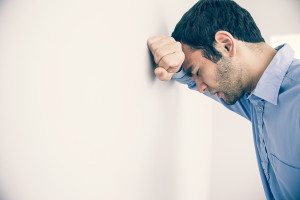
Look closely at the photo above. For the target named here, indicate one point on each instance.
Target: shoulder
(289, 95)
(290, 87)
(293, 72)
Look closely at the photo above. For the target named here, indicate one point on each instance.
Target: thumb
(162, 74)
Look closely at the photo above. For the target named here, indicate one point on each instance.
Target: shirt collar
(269, 84)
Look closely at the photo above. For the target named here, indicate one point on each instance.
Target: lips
(219, 94)
(214, 93)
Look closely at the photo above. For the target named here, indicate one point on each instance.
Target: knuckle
(170, 39)
(170, 61)
(158, 53)
(178, 45)
(175, 64)
(152, 39)
(153, 47)
(172, 70)
(165, 60)
(175, 61)
(149, 41)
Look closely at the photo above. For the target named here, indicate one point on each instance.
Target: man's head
(216, 35)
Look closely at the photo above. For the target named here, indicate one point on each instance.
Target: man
(217, 49)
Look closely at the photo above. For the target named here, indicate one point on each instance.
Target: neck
(259, 58)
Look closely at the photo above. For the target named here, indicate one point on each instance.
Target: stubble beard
(230, 81)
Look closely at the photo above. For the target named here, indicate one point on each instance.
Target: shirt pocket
(288, 178)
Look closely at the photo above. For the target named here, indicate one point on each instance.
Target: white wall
(82, 116)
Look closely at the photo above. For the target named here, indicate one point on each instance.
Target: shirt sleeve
(181, 77)
(241, 107)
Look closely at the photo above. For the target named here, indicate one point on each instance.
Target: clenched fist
(168, 56)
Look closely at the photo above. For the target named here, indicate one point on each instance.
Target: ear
(225, 43)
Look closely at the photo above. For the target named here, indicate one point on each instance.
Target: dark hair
(198, 26)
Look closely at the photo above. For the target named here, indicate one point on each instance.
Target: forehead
(192, 57)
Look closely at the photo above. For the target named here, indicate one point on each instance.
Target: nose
(201, 86)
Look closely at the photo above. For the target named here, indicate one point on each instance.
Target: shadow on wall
(1, 3)
(152, 66)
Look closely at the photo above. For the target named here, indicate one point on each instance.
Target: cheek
(208, 70)
(224, 71)
(211, 77)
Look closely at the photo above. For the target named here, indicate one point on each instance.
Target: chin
(230, 100)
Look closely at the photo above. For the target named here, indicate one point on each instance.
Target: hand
(168, 56)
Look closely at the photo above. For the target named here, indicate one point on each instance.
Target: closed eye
(198, 72)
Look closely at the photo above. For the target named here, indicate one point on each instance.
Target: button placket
(258, 105)
(262, 144)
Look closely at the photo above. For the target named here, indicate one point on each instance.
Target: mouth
(219, 94)
(214, 93)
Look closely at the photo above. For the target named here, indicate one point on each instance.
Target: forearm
(239, 107)
(181, 77)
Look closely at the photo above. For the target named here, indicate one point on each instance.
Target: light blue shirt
(273, 108)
